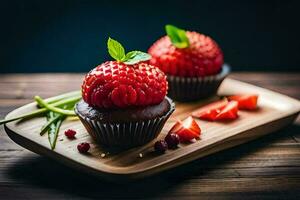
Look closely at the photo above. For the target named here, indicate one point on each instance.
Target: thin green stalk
(42, 110)
(53, 108)
(54, 138)
(54, 129)
(52, 118)
(27, 115)
(49, 122)
(63, 96)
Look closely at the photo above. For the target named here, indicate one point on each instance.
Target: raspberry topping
(114, 84)
(202, 57)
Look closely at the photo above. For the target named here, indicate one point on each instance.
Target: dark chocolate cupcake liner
(195, 88)
(127, 134)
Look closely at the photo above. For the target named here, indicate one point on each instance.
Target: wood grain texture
(266, 168)
(275, 111)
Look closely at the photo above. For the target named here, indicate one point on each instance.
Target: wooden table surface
(266, 168)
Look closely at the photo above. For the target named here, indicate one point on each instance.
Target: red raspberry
(114, 84)
(83, 147)
(70, 133)
(203, 56)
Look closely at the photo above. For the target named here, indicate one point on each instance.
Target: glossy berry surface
(187, 129)
(160, 146)
(202, 57)
(70, 133)
(117, 85)
(172, 139)
(229, 112)
(210, 111)
(245, 102)
(83, 147)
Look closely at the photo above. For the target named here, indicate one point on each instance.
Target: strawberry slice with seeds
(209, 112)
(245, 102)
(229, 112)
(186, 130)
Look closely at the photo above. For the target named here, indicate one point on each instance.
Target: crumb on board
(141, 155)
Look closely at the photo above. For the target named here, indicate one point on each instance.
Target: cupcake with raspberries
(193, 63)
(124, 101)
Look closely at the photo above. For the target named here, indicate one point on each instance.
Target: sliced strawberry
(178, 125)
(210, 111)
(229, 112)
(246, 102)
(186, 130)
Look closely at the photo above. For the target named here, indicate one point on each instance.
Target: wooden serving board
(275, 111)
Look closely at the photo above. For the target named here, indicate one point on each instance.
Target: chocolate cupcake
(187, 89)
(124, 101)
(193, 63)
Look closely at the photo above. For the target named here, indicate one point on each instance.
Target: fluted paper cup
(186, 89)
(127, 134)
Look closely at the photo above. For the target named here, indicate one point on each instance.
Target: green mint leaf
(115, 49)
(177, 36)
(134, 57)
(130, 55)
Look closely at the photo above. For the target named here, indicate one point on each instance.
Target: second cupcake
(192, 61)
(124, 101)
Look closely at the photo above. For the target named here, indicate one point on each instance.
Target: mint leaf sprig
(117, 51)
(177, 36)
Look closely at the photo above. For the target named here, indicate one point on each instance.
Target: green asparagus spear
(50, 121)
(55, 116)
(55, 99)
(71, 100)
(54, 129)
(53, 108)
(52, 118)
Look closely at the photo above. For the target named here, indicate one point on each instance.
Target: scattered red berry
(116, 84)
(210, 111)
(83, 147)
(172, 139)
(160, 146)
(230, 111)
(202, 57)
(70, 133)
(246, 102)
(186, 130)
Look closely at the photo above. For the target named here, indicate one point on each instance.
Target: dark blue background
(70, 35)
